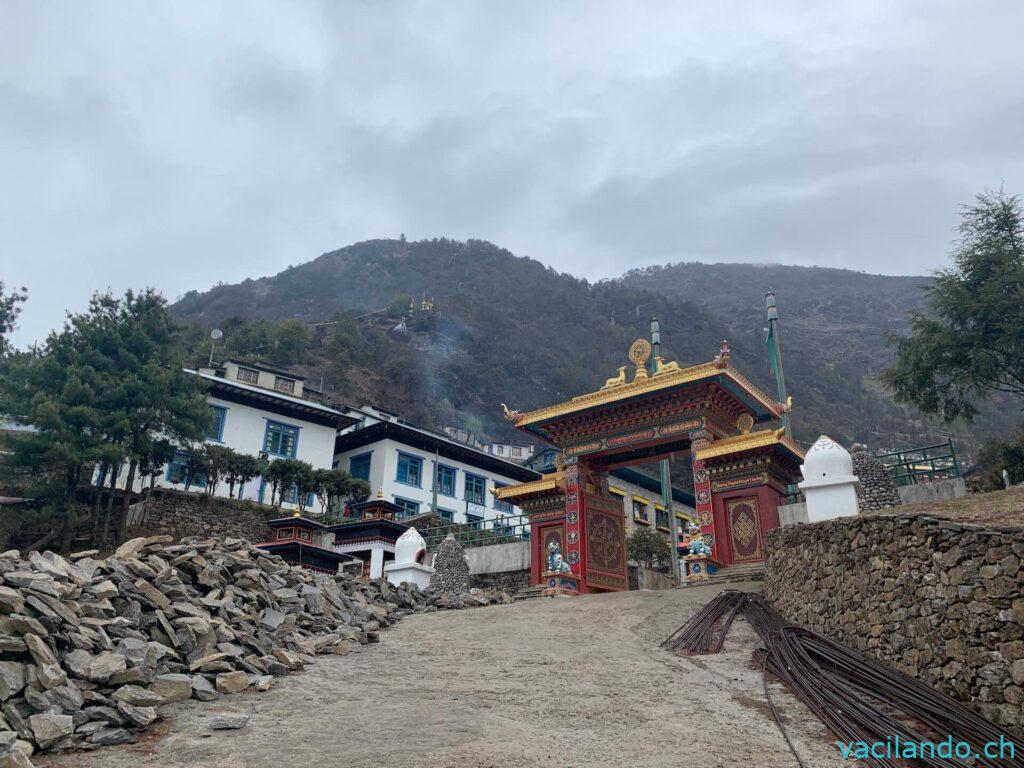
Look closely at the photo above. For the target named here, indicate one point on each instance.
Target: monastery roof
(296, 522)
(750, 441)
(274, 402)
(549, 482)
(758, 401)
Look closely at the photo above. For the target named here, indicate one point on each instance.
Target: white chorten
(829, 485)
(409, 565)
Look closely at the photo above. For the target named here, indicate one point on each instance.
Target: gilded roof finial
(380, 493)
(639, 354)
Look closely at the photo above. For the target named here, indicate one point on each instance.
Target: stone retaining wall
(937, 599)
(506, 581)
(187, 514)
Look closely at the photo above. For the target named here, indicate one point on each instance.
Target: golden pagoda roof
(644, 384)
(548, 482)
(747, 442)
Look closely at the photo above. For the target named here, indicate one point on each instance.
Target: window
(284, 533)
(445, 480)
(477, 521)
(499, 504)
(502, 528)
(281, 439)
(248, 375)
(304, 534)
(410, 469)
(217, 416)
(640, 510)
(517, 452)
(661, 518)
(446, 514)
(177, 471)
(409, 508)
(359, 466)
(281, 384)
(476, 487)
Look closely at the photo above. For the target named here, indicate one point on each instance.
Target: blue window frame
(409, 507)
(281, 439)
(446, 514)
(477, 521)
(476, 488)
(410, 469)
(359, 466)
(499, 504)
(218, 415)
(177, 471)
(446, 480)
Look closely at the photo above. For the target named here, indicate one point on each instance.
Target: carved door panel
(553, 533)
(744, 530)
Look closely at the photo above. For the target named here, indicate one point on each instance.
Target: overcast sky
(179, 144)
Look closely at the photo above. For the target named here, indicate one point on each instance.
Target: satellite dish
(216, 334)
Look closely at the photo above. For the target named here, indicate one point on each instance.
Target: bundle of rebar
(706, 631)
(860, 699)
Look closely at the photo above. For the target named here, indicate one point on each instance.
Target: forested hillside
(509, 329)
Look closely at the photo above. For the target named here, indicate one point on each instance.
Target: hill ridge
(510, 329)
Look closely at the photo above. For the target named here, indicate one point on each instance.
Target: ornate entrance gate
(705, 413)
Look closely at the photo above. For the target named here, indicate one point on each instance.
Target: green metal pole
(775, 354)
(665, 474)
(433, 495)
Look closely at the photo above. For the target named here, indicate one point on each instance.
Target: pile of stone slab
(877, 490)
(90, 648)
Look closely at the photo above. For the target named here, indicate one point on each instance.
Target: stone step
(528, 593)
(737, 573)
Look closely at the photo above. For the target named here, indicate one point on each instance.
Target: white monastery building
(412, 467)
(263, 411)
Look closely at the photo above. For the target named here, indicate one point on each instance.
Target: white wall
(384, 471)
(244, 431)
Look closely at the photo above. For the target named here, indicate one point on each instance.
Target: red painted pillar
(575, 495)
(702, 493)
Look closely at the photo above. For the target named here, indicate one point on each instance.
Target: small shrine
(829, 485)
(732, 433)
(370, 534)
(410, 561)
(305, 543)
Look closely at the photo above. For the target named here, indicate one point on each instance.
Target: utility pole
(663, 468)
(771, 342)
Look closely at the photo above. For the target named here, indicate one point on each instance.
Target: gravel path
(564, 682)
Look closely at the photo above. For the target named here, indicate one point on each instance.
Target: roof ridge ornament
(510, 414)
(722, 358)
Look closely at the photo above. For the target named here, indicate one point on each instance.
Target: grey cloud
(193, 144)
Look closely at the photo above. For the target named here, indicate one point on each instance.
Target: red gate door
(744, 530)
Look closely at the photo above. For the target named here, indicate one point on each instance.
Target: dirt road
(565, 682)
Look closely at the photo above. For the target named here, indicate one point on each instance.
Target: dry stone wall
(937, 599)
(176, 514)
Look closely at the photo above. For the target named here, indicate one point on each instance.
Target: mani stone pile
(877, 489)
(90, 648)
(451, 569)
